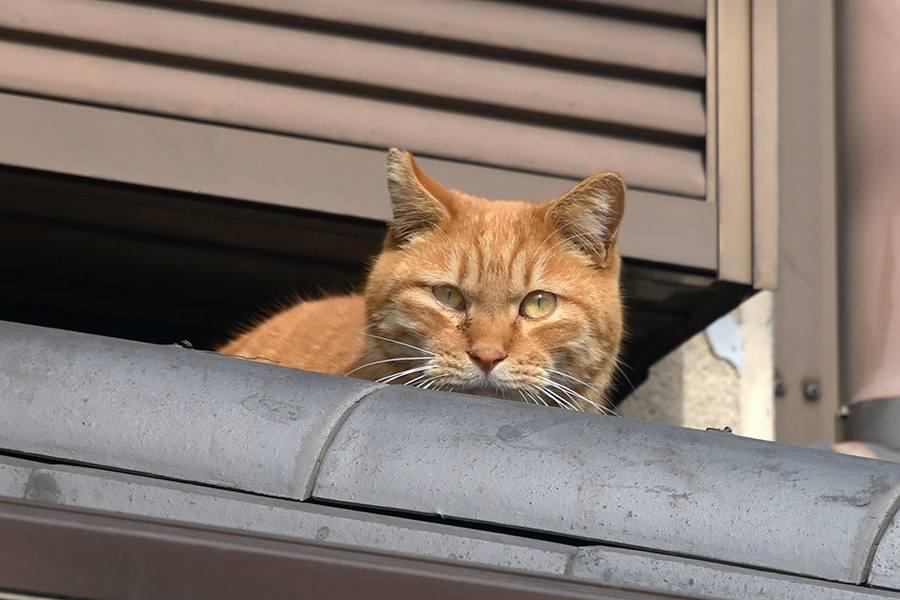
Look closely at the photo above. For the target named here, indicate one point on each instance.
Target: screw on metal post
(780, 385)
(812, 389)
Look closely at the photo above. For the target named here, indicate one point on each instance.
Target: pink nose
(487, 358)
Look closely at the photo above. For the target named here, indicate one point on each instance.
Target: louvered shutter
(529, 87)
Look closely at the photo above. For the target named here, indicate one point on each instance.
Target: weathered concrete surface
(720, 377)
(705, 494)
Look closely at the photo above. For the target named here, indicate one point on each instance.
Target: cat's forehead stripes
(495, 252)
(499, 257)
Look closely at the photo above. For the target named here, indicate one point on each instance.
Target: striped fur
(495, 253)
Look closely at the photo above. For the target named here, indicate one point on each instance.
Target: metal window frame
(742, 140)
(806, 302)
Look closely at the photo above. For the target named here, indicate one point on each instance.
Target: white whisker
(415, 379)
(534, 398)
(390, 378)
(537, 399)
(570, 377)
(573, 394)
(422, 380)
(433, 382)
(377, 362)
(618, 363)
(562, 402)
(378, 337)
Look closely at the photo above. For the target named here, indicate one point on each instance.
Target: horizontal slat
(285, 109)
(654, 226)
(441, 74)
(509, 26)
(220, 161)
(688, 9)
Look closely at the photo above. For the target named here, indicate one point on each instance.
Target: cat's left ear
(589, 214)
(419, 202)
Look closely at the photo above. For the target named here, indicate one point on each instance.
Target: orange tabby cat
(505, 299)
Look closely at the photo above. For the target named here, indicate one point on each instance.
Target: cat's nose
(487, 358)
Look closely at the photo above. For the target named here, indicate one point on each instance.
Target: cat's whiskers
(427, 385)
(386, 360)
(534, 397)
(618, 363)
(540, 400)
(570, 377)
(572, 394)
(537, 391)
(564, 403)
(395, 376)
(601, 408)
(415, 379)
(378, 337)
(584, 383)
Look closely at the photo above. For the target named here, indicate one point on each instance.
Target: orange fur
(494, 253)
(321, 335)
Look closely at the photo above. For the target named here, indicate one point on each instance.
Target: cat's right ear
(589, 214)
(418, 200)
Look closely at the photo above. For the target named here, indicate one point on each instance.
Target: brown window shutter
(531, 88)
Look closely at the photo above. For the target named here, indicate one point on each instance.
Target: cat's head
(508, 299)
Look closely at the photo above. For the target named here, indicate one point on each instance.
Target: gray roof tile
(166, 410)
(213, 420)
(885, 570)
(696, 493)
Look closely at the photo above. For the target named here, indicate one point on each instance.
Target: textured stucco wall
(722, 376)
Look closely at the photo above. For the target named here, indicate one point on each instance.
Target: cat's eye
(449, 297)
(537, 305)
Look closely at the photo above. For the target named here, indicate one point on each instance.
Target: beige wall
(722, 376)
